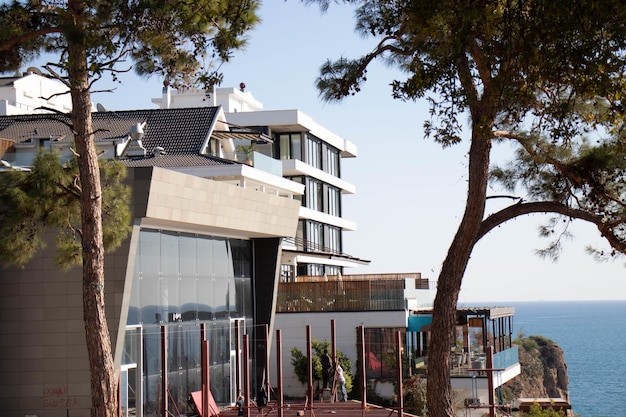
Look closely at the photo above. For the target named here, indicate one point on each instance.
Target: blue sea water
(592, 335)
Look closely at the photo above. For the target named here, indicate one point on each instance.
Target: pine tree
(542, 75)
(184, 42)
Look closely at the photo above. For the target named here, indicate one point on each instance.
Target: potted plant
(247, 151)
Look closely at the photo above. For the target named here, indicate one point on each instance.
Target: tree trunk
(449, 282)
(103, 378)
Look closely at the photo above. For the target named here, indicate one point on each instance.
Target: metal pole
(363, 375)
(205, 377)
(246, 375)
(164, 382)
(267, 362)
(399, 373)
(333, 341)
(492, 409)
(237, 358)
(309, 364)
(279, 372)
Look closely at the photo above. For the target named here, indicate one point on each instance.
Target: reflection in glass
(180, 281)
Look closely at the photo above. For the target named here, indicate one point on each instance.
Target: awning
(418, 323)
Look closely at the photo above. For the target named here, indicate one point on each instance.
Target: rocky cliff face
(543, 370)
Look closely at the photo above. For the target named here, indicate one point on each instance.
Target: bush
(299, 362)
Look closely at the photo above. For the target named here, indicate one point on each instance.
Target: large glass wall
(181, 281)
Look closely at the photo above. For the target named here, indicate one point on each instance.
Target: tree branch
(520, 209)
(17, 40)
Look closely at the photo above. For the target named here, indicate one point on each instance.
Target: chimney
(135, 148)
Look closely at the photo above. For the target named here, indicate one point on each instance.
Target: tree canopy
(182, 41)
(544, 75)
(47, 196)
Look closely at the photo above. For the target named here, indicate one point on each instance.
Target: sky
(410, 192)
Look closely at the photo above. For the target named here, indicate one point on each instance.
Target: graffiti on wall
(55, 396)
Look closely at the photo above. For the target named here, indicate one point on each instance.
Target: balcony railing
(464, 365)
(366, 295)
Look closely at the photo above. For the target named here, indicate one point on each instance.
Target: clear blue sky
(410, 191)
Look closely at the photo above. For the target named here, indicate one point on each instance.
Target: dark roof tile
(178, 131)
(174, 161)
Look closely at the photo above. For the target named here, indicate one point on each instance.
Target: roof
(4, 81)
(489, 312)
(174, 161)
(178, 131)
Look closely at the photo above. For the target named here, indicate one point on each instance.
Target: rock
(543, 370)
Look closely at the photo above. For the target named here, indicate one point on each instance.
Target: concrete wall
(293, 332)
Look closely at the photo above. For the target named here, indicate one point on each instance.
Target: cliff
(543, 370)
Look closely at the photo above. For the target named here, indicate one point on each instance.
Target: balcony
(348, 293)
(464, 365)
(476, 329)
(318, 296)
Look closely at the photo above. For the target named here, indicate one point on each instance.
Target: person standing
(341, 379)
(240, 406)
(326, 366)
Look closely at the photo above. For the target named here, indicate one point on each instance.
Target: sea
(592, 335)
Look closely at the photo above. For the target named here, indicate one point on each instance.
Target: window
(332, 161)
(333, 201)
(332, 238)
(289, 146)
(314, 236)
(313, 152)
(314, 193)
(181, 280)
(380, 352)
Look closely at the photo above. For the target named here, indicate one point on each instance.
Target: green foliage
(415, 395)
(48, 197)
(537, 411)
(184, 42)
(538, 74)
(247, 150)
(299, 362)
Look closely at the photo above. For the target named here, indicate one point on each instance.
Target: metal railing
(366, 295)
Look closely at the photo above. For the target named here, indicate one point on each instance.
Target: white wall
(293, 334)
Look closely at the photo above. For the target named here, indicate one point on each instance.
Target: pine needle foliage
(47, 198)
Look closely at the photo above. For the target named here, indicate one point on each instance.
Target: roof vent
(135, 147)
(158, 151)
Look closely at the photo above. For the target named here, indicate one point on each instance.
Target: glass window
(180, 281)
(332, 161)
(333, 201)
(314, 236)
(188, 255)
(380, 352)
(169, 253)
(314, 194)
(332, 238)
(314, 151)
(290, 146)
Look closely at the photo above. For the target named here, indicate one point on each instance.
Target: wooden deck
(350, 408)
